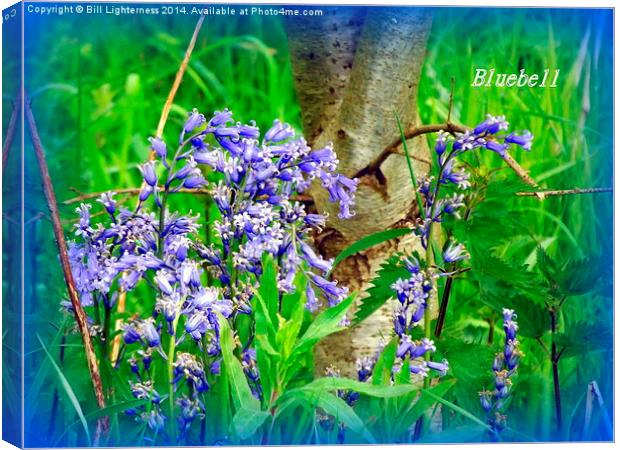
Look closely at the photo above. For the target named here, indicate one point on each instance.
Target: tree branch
(177, 80)
(92, 195)
(410, 133)
(80, 315)
(548, 193)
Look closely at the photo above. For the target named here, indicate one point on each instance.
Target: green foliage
(380, 290)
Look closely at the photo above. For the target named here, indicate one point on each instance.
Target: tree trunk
(355, 68)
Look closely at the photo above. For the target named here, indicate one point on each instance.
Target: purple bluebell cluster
(413, 294)
(253, 182)
(488, 135)
(505, 367)
(151, 412)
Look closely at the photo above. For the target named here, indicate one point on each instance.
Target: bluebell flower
(496, 147)
(130, 334)
(441, 143)
(187, 367)
(220, 118)
(107, 200)
(191, 409)
(149, 333)
(331, 290)
(455, 252)
(524, 140)
(194, 120)
(504, 368)
(197, 325)
(159, 147)
(145, 391)
(315, 260)
(278, 132)
(154, 419)
(148, 173)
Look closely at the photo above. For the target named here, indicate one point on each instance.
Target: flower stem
(555, 359)
(171, 349)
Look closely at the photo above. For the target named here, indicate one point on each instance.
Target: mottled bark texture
(355, 68)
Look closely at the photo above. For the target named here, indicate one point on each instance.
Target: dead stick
(554, 192)
(122, 298)
(177, 79)
(520, 171)
(80, 315)
(92, 195)
(448, 127)
(10, 132)
(84, 197)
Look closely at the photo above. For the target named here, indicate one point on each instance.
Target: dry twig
(78, 311)
(122, 298)
(10, 131)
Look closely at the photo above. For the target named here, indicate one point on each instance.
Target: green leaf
(582, 338)
(370, 241)
(579, 276)
(67, 388)
(267, 356)
(336, 407)
(247, 421)
(248, 417)
(455, 408)
(326, 323)
(268, 287)
(414, 181)
(372, 390)
(382, 372)
(381, 289)
(410, 415)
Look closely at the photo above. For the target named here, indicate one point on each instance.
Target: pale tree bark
(355, 69)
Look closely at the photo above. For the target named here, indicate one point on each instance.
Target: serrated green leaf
(581, 338)
(579, 276)
(380, 290)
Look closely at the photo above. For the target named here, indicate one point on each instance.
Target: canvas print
(306, 224)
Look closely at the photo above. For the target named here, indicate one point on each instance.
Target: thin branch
(80, 315)
(451, 101)
(548, 193)
(10, 132)
(177, 80)
(520, 171)
(92, 195)
(410, 133)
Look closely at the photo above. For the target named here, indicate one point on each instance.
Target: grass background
(98, 85)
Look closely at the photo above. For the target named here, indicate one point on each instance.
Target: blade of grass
(67, 388)
(456, 408)
(414, 181)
